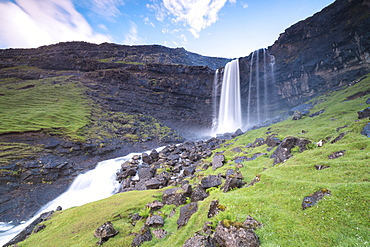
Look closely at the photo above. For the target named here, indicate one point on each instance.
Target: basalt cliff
(142, 96)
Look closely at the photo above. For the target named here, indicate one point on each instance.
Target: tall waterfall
(230, 115)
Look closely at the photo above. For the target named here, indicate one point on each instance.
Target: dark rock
(366, 130)
(315, 114)
(303, 109)
(159, 233)
(39, 228)
(368, 101)
(145, 173)
(188, 171)
(237, 150)
(297, 115)
(28, 230)
(232, 183)
(186, 212)
(104, 232)
(337, 154)
(342, 127)
(154, 221)
(176, 196)
(320, 167)
(143, 236)
(282, 152)
(254, 181)
(214, 209)
(338, 138)
(234, 236)
(218, 161)
(237, 133)
(199, 194)
(251, 223)
(272, 141)
(154, 154)
(154, 206)
(147, 158)
(211, 181)
(194, 157)
(199, 240)
(59, 208)
(153, 183)
(364, 113)
(311, 200)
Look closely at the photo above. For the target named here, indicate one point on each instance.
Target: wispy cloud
(132, 37)
(244, 5)
(148, 22)
(107, 8)
(32, 23)
(196, 14)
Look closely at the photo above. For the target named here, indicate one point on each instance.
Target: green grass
(341, 219)
(111, 60)
(55, 104)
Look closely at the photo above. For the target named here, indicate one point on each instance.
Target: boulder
(231, 234)
(237, 133)
(364, 113)
(312, 199)
(104, 232)
(337, 154)
(282, 152)
(214, 209)
(272, 141)
(304, 109)
(232, 183)
(154, 206)
(251, 223)
(218, 161)
(199, 240)
(320, 167)
(154, 183)
(199, 194)
(154, 221)
(147, 158)
(211, 181)
(39, 228)
(186, 212)
(366, 130)
(254, 180)
(176, 196)
(159, 233)
(143, 236)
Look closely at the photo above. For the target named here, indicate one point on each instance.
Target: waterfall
(91, 186)
(229, 119)
(258, 86)
(214, 101)
(250, 90)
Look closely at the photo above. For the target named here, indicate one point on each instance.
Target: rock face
(317, 54)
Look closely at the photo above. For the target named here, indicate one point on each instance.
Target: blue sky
(219, 28)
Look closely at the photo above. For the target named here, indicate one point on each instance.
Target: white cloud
(196, 14)
(32, 23)
(132, 37)
(245, 5)
(148, 22)
(107, 8)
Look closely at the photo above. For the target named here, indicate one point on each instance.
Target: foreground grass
(342, 219)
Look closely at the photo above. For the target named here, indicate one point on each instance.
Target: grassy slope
(342, 219)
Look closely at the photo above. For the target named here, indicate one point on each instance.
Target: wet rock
(147, 158)
(188, 171)
(272, 141)
(154, 154)
(337, 154)
(154, 183)
(104, 232)
(320, 167)
(186, 212)
(199, 240)
(218, 161)
(145, 173)
(364, 113)
(311, 200)
(237, 133)
(154, 221)
(211, 181)
(143, 236)
(229, 234)
(199, 194)
(297, 115)
(28, 230)
(159, 233)
(194, 157)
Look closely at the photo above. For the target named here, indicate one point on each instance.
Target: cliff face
(327, 50)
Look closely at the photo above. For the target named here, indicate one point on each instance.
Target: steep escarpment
(324, 51)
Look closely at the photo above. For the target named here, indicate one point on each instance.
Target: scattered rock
(272, 141)
(199, 194)
(218, 161)
(237, 133)
(366, 130)
(232, 182)
(186, 212)
(342, 127)
(237, 150)
(368, 101)
(338, 138)
(211, 181)
(154, 221)
(154, 206)
(304, 109)
(159, 233)
(337, 154)
(214, 209)
(207, 227)
(229, 234)
(175, 196)
(199, 240)
(320, 167)
(143, 236)
(282, 152)
(297, 115)
(254, 180)
(317, 113)
(364, 113)
(39, 228)
(311, 200)
(104, 232)
(251, 223)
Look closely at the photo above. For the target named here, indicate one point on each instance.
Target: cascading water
(91, 186)
(230, 116)
(214, 101)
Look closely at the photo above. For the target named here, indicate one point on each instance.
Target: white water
(91, 186)
(214, 101)
(230, 116)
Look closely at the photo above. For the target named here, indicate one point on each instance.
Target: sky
(217, 28)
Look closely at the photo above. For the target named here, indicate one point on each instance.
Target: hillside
(275, 200)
